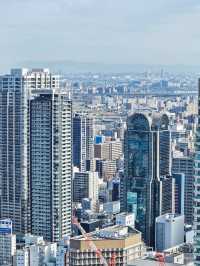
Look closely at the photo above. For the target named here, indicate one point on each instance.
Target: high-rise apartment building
(83, 137)
(15, 90)
(147, 159)
(50, 164)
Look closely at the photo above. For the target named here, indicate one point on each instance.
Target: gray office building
(147, 152)
(51, 164)
(169, 231)
(15, 90)
(185, 165)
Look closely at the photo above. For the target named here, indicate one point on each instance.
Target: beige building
(108, 150)
(122, 242)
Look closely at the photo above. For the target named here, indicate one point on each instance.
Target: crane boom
(160, 258)
(91, 244)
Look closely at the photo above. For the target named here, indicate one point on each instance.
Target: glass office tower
(196, 222)
(147, 159)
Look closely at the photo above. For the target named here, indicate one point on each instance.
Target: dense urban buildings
(35, 251)
(118, 156)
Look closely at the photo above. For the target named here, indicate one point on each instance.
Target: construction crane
(113, 260)
(160, 257)
(92, 246)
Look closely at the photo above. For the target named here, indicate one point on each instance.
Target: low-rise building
(7, 242)
(126, 219)
(169, 231)
(36, 252)
(122, 242)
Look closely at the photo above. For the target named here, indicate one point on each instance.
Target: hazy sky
(109, 31)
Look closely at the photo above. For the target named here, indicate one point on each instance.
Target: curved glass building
(147, 159)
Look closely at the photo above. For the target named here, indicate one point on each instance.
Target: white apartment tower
(15, 90)
(83, 134)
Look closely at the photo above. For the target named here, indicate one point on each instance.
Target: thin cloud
(112, 31)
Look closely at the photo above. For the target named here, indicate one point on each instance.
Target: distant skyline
(129, 32)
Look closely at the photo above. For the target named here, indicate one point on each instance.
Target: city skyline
(127, 131)
(99, 133)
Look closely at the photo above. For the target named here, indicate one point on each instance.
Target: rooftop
(149, 262)
(111, 232)
(112, 237)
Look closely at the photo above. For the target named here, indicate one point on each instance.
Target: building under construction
(117, 244)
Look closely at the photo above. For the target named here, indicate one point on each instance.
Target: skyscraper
(196, 222)
(185, 165)
(15, 90)
(85, 185)
(51, 164)
(147, 159)
(83, 148)
(179, 193)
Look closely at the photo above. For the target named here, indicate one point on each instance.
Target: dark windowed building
(146, 184)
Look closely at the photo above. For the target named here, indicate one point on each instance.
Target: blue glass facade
(147, 157)
(196, 222)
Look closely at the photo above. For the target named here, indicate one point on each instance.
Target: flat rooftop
(116, 236)
(111, 232)
(148, 262)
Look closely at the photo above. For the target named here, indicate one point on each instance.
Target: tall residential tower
(15, 90)
(51, 164)
(83, 135)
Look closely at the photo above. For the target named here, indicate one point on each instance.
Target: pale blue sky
(109, 31)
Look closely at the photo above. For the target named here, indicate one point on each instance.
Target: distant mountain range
(67, 66)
